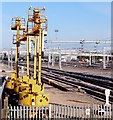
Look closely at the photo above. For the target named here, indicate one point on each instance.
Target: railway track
(64, 80)
(96, 80)
(90, 89)
(82, 74)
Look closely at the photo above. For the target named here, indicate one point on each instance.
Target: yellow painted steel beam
(27, 55)
(39, 56)
(16, 59)
(35, 57)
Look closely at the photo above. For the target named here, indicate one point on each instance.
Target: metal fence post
(64, 111)
(42, 111)
(70, 111)
(101, 111)
(27, 112)
(45, 112)
(14, 112)
(104, 110)
(49, 111)
(30, 112)
(11, 112)
(67, 111)
(85, 111)
(58, 111)
(98, 111)
(39, 112)
(79, 112)
(61, 111)
(24, 112)
(55, 111)
(36, 112)
(73, 111)
(112, 111)
(107, 112)
(82, 112)
(33, 112)
(93, 111)
(76, 111)
(17, 112)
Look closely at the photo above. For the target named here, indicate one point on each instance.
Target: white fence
(62, 111)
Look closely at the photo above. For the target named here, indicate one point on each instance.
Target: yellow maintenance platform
(30, 91)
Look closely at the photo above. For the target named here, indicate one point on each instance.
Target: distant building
(68, 58)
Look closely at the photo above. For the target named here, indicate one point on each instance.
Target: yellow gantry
(16, 25)
(39, 56)
(31, 95)
(30, 90)
(28, 56)
(35, 57)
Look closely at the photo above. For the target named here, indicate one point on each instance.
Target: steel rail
(96, 80)
(76, 73)
(94, 91)
(89, 89)
(87, 79)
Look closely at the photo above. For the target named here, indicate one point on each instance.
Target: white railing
(62, 111)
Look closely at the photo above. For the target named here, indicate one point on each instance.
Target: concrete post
(49, 59)
(107, 59)
(2, 59)
(53, 59)
(94, 59)
(8, 59)
(0, 108)
(11, 60)
(22, 69)
(60, 66)
(90, 59)
(104, 59)
(107, 93)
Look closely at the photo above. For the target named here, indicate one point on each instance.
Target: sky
(74, 20)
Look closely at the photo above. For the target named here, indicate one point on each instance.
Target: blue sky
(75, 21)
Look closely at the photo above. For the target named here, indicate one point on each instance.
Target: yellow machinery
(30, 95)
(29, 91)
(17, 24)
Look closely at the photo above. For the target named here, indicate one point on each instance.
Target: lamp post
(59, 51)
(82, 45)
(56, 30)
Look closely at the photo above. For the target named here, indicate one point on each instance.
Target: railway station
(40, 79)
